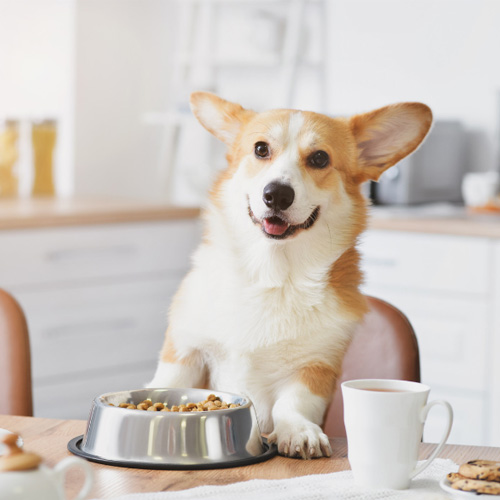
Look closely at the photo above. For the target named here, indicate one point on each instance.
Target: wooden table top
(49, 438)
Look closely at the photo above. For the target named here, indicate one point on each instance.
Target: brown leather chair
(384, 346)
(15, 360)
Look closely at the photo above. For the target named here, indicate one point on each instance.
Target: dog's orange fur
(168, 352)
(319, 378)
(170, 355)
(346, 278)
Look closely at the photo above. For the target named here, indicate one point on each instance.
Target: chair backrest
(15, 359)
(384, 346)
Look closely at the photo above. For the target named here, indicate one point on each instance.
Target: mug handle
(62, 467)
(423, 416)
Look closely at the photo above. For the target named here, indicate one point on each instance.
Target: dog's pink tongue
(275, 226)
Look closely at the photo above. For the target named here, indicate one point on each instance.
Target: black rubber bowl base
(74, 446)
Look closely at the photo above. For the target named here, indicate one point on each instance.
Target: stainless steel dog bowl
(171, 440)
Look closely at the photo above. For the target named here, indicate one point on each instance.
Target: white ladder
(195, 65)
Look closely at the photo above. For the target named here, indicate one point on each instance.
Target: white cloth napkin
(337, 486)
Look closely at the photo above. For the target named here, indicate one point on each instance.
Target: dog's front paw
(304, 439)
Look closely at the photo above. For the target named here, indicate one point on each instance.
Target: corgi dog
(272, 300)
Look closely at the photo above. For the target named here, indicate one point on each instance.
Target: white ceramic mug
(384, 420)
(480, 188)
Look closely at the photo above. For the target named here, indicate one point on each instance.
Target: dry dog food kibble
(212, 403)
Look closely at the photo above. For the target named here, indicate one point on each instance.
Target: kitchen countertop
(51, 212)
(436, 218)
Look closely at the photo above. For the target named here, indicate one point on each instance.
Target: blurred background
(116, 76)
(103, 168)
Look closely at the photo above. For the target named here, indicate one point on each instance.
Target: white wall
(445, 53)
(122, 72)
(36, 77)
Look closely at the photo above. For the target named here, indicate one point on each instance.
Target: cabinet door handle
(76, 254)
(83, 329)
(380, 262)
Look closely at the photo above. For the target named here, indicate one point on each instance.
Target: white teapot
(23, 477)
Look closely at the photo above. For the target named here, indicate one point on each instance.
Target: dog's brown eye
(262, 149)
(319, 159)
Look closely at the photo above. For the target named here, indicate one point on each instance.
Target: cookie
(454, 476)
(460, 482)
(488, 470)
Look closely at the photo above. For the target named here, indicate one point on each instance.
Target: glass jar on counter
(9, 154)
(43, 137)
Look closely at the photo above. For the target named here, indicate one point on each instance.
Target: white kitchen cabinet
(53, 256)
(96, 299)
(71, 398)
(427, 262)
(96, 327)
(447, 287)
(494, 351)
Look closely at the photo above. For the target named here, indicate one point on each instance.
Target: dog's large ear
(386, 135)
(221, 118)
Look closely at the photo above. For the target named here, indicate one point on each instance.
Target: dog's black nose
(278, 196)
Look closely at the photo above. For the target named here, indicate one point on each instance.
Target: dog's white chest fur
(253, 335)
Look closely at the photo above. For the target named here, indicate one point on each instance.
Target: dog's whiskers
(330, 233)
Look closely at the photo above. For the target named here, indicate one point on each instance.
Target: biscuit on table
(460, 482)
(488, 470)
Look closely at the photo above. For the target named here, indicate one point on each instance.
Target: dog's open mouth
(277, 228)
